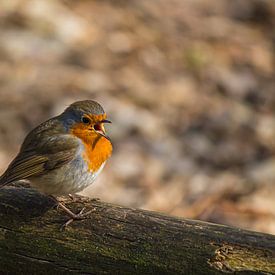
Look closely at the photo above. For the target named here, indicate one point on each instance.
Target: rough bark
(119, 240)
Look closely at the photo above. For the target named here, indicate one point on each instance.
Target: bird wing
(36, 158)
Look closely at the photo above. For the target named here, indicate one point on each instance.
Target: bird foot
(72, 197)
(75, 217)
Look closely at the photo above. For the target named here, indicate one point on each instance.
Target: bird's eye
(85, 120)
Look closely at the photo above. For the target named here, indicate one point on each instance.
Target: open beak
(100, 128)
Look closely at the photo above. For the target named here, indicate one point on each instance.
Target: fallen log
(120, 240)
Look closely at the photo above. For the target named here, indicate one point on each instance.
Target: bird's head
(85, 119)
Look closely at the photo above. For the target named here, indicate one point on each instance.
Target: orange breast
(97, 148)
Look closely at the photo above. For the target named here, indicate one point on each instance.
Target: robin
(64, 154)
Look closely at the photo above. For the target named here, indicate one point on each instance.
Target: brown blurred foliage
(189, 86)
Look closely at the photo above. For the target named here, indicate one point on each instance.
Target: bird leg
(72, 197)
(73, 216)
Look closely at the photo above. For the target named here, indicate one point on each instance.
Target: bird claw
(76, 217)
(73, 217)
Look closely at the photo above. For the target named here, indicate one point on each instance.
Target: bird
(65, 154)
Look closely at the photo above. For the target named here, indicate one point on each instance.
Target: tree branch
(119, 240)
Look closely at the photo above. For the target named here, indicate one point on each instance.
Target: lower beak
(103, 135)
(102, 130)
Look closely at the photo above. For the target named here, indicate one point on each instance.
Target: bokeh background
(189, 86)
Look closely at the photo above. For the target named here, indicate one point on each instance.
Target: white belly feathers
(71, 178)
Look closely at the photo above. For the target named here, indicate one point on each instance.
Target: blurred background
(189, 86)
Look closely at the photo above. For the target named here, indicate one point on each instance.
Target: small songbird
(64, 154)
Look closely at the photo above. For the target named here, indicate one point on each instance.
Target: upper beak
(106, 121)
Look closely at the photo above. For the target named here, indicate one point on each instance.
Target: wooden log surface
(120, 240)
